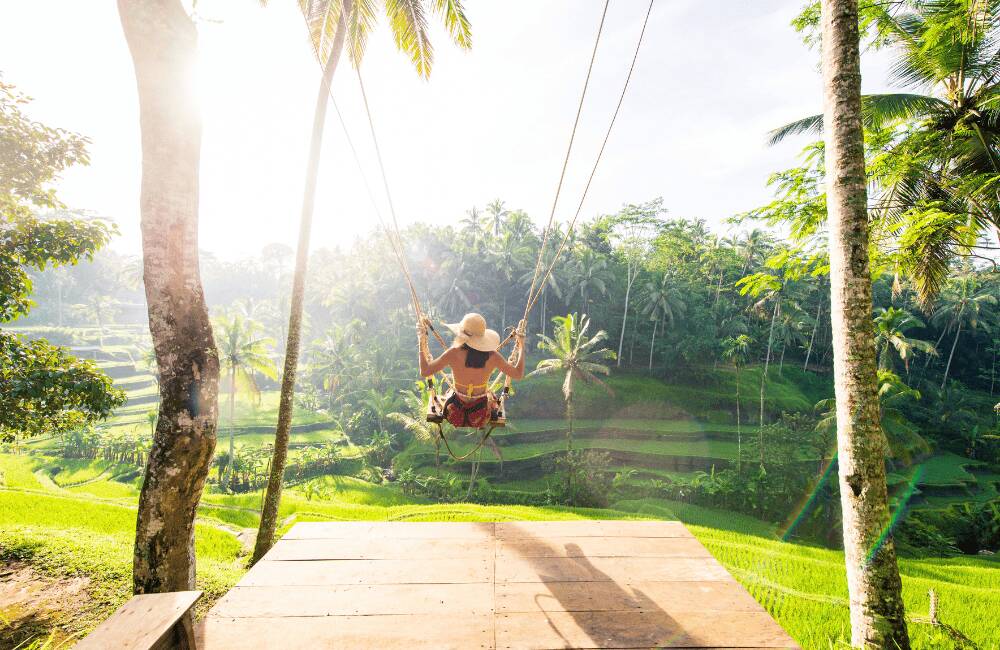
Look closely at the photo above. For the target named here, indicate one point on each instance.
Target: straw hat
(473, 332)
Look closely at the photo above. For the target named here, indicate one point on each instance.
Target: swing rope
(536, 288)
(535, 294)
(569, 150)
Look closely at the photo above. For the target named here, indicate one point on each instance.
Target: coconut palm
(334, 25)
(590, 277)
(242, 356)
(335, 356)
(498, 212)
(101, 310)
(962, 304)
(940, 157)
(662, 303)
(894, 396)
(736, 350)
(578, 356)
(768, 290)
(890, 335)
(508, 255)
(877, 615)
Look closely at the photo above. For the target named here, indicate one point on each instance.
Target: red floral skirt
(473, 413)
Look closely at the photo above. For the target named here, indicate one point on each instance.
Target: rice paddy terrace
(75, 517)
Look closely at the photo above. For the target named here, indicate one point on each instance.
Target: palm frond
(455, 21)
(409, 29)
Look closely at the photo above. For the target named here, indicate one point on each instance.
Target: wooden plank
(390, 530)
(349, 632)
(362, 600)
(143, 622)
(639, 630)
(609, 596)
(590, 528)
(380, 549)
(373, 572)
(622, 570)
(602, 547)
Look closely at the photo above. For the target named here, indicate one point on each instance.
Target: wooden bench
(147, 622)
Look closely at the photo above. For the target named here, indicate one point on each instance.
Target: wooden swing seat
(435, 411)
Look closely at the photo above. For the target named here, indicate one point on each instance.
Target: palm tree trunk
(59, 302)
(739, 426)
(876, 605)
(628, 291)
(993, 370)
(545, 299)
(232, 419)
(269, 511)
(569, 417)
(812, 337)
(100, 325)
(472, 479)
(951, 354)
(937, 344)
(652, 341)
(162, 40)
(767, 363)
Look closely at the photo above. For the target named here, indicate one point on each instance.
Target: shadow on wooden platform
(560, 584)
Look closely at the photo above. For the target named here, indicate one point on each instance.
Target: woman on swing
(472, 357)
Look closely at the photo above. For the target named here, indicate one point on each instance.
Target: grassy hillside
(65, 532)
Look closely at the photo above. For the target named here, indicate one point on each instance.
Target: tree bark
(812, 337)
(877, 616)
(628, 290)
(951, 354)
(739, 429)
(162, 40)
(232, 425)
(652, 342)
(767, 364)
(272, 497)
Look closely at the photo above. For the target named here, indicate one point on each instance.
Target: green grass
(722, 450)
(947, 470)
(19, 472)
(107, 489)
(680, 425)
(69, 535)
(638, 396)
(802, 586)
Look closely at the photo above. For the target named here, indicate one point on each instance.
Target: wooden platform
(557, 584)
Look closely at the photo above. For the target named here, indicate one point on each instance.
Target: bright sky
(712, 78)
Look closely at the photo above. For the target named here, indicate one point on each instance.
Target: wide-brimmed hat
(472, 331)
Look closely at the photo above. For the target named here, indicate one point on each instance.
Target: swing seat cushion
(461, 413)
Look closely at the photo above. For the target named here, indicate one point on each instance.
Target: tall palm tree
(335, 355)
(768, 290)
(890, 335)
(498, 212)
(942, 154)
(332, 24)
(876, 604)
(590, 276)
(101, 309)
(162, 40)
(577, 355)
(961, 304)
(509, 256)
(736, 350)
(243, 355)
(662, 303)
